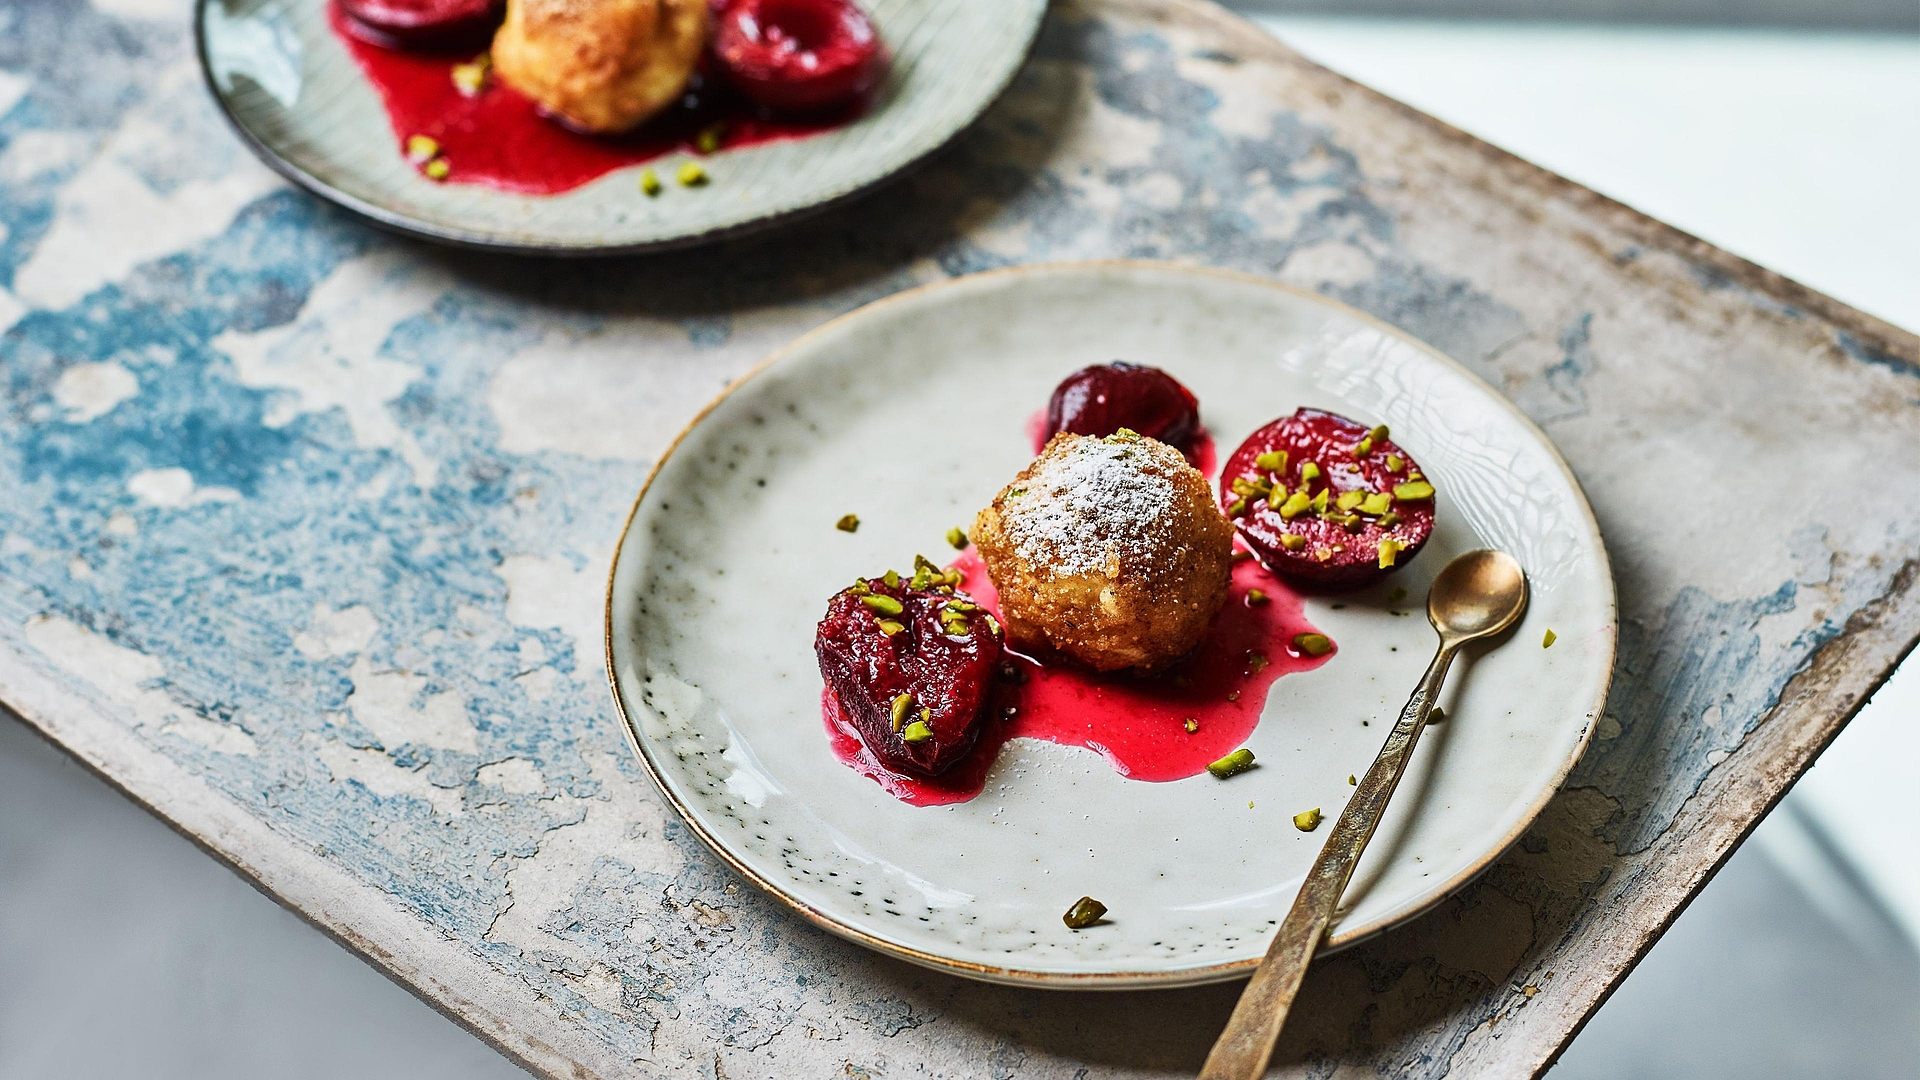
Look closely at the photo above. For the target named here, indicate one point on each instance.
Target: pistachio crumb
(1350, 499)
(957, 537)
(1309, 472)
(1255, 598)
(1413, 491)
(882, 603)
(709, 138)
(437, 169)
(1307, 820)
(848, 523)
(1547, 642)
(1312, 644)
(1351, 782)
(1272, 461)
(889, 627)
(918, 731)
(1292, 541)
(1395, 463)
(422, 148)
(1084, 913)
(650, 186)
(1191, 724)
(1233, 764)
(901, 704)
(691, 174)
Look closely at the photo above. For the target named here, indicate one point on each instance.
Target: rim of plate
(1344, 936)
(406, 225)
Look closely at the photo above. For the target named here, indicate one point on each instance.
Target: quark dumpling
(600, 65)
(1109, 551)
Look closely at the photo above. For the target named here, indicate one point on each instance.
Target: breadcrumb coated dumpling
(600, 65)
(1109, 551)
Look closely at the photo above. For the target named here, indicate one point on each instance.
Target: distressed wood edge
(447, 976)
(1814, 707)
(1549, 185)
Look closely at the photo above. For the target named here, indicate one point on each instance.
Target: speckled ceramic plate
(296, 96)
(730, 555)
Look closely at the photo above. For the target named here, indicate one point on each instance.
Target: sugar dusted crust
(1108, 551)
(601, 65)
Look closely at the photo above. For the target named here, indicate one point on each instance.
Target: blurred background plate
(294, 93)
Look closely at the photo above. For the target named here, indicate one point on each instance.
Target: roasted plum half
(798, 56)
(423, 24)
(912, 661)
(1104, 398)
(1327, 501)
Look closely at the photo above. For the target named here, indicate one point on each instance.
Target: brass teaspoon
(1476, 596)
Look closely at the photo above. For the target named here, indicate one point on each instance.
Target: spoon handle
(1242, 1051)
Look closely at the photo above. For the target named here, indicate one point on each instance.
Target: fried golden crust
(1107, 551)
(600, 65)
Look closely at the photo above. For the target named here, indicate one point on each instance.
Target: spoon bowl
(1477, 595)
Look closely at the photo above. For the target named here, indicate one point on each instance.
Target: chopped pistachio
(1233, 764)
(1309, 472)
(1351, 782)
(882, 603)
(1241, 555)
(1012, 492)
(1323, 554)
(1257, 662)
(1395, 462)
(1307, 820)
(901, 704)
(848, 523)
(957, 537)
(1389, 519)
(422, 148)
(1272, 461)
(650, 184)
(1295, 505)
(437, 169)
(1292, 541)
(1437, 716)
(1312, 644)
(1379, 433)
(1389, 549)
(889, 627)
(1363, 447)
(709, 138)
(1352, 522)
(1413, 490)
(860, 587)
(1277, 496)
(962, 605)
(1233, 695)
(1237, 507)
(1192, 725)
(1320, 501)
(892, 578)
(1350, 499)
(954, 578)
(1376, 504)
(1547, 642)
(691, 174)
(470, 78)
(1255, 598)
(1250, 485)
(1084, 913)
(922, 579)
(918, 731)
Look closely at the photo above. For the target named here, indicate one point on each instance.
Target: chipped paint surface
(302, 533)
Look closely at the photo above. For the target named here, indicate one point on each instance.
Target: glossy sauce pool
(498, 138)
(1138, 724)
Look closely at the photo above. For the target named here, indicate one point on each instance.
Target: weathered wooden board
(303, 529)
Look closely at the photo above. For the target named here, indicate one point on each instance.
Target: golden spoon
(1476, 596)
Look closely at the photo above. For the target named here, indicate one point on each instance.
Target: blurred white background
(1791, 137)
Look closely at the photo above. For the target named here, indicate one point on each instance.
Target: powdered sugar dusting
(1093, 505)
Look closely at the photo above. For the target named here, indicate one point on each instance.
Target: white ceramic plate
(295, 95)
(911, 413)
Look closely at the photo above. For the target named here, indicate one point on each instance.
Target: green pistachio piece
(1547, 642)
(889, 627)
(1190, 724)
(901, 704)
(1084, 913)
(958, 538)
(1413, 490)
(1307, 820)
(1272, 461)
(1320, 502)
(1395, 462)
(1378, 434)
(892, 578)
(1233, 764)
(1296, 504)
(1312, 644)
(882, 603)
(1292, 541)
(1309, 472)
(1363, 447)
(918, 731)
(1350, 499)
(1389, 550)
(1376, 504)
(1255, 598)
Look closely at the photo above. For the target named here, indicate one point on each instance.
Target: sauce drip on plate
(497, 138)
(1137, 723)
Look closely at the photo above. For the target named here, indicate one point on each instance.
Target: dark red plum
(1104, 398)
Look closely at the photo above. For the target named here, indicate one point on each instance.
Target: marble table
(303, 531)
